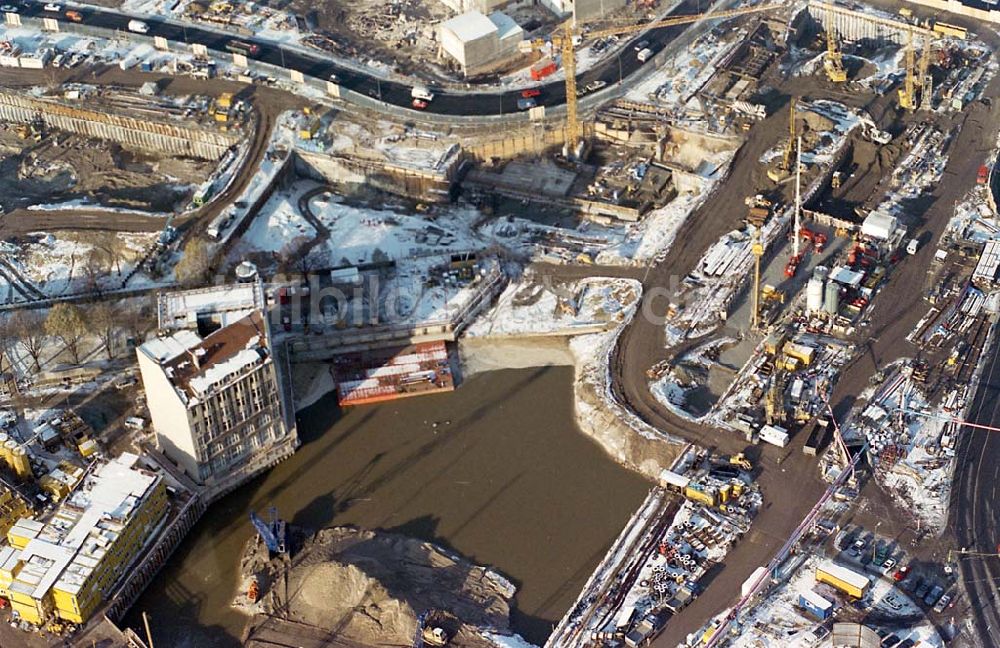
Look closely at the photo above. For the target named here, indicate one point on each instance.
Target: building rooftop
(506, 26)
(195, 365)
(64, 551)
(225, 304)
(470, 26)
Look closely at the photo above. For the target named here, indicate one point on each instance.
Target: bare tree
(193, 266)
(94, 267)
(66, 322)
(104, 319)
(136, 316)
(28, 327)
(8, 338)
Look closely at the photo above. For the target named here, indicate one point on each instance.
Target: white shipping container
(670, 478)
(749, 583)
(774, 435)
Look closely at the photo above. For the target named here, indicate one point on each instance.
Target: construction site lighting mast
(798, 198)
(569, 30)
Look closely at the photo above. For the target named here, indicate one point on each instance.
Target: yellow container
(7, 452)
(22, 465)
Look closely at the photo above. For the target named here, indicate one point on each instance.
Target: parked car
(530, 92)
(641, 45)
(857, 547)
(889, 566)
(901, 574)
(52, 7)
(922, 590)
(74, 16)
(933, 595)
(526, 104)
(594, 86)
(942, 603)
(9, 8)
(419, 104)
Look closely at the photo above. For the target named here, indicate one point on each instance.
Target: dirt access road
(268, 103)
(788, 478)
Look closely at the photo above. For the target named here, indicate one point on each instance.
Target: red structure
(388, 374)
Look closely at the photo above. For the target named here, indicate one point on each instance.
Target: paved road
(975, 515)
(393, 92)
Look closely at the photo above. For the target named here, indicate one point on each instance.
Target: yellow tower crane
(925, 80)
(566, 33)
(834, 62)
(907, 94)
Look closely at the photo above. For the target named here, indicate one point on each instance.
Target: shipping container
(774, 435)
(542, 69)
(846, 580)
(748, 584)
(816, 605)
(670, 478)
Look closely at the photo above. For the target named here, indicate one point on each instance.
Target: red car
(419, 104)
(530, 92)
(900, 574)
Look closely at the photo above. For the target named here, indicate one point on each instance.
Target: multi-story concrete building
(64, 568)
(583, 10)
(216, 397)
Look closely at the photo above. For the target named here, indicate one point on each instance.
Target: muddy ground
(61, 167)
(369, 589)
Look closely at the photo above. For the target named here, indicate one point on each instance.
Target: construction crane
(785, 166)
(793, 263)
(926, 81)
(756, 224)
(907, 94)
(568, 31)
(834, 61)
(272, 533)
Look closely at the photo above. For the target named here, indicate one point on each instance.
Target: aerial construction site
(261, 263)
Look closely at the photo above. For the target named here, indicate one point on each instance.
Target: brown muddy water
(505, 478)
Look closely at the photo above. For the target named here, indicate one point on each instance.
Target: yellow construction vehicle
(784, 168)
(567, 37)
(740, 460)
(833, 64)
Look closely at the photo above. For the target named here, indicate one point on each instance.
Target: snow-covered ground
(779, 621)
(912, 445)
(67, 263)
(533, 307)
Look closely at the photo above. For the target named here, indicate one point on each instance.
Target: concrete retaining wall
(155, 137)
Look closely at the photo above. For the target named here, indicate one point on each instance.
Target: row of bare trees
(72, 325)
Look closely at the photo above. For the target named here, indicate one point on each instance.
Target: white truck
(422, 92)
(775, 435)
(645, 55)
(138, 27)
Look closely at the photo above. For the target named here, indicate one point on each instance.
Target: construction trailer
(817, 606)
(845, 580)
